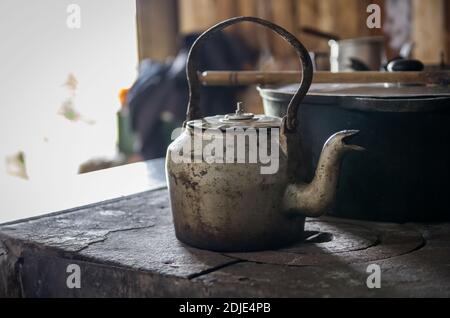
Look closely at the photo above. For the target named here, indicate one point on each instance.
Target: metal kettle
(223, 199)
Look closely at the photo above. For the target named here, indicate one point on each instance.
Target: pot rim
(403, 104)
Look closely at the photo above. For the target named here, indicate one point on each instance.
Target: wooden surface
(162, 22)
(127, 247)
(197, 15)
(429, 30)
(157, 29)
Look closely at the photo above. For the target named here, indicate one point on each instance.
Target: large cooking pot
(404, 174)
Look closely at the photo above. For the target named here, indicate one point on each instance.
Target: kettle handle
(193, 109)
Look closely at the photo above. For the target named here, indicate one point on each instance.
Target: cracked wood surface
(135, 232)
(127, 247)
(9, 282)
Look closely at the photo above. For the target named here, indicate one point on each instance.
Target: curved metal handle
(193, 111)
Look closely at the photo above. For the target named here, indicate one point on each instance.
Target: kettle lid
(239, 119)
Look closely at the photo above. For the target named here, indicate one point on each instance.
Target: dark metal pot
(404, 175)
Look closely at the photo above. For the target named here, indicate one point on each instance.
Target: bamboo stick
(233, 78)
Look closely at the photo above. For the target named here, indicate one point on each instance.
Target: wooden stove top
(126, 247)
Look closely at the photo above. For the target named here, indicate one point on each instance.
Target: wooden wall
(160, 21)
(430, 33)
(343, 17)
(157, 28)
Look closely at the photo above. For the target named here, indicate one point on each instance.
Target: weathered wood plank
(421, 273)
(428, 32)
(157, 29)
(127, 248)
(135, 233)
(9, 280)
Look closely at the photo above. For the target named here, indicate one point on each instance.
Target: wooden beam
(157, 28)
(196, 15)
(231, 78)
(447, 33)
(283, 14)
(428, 32)
(308, 15)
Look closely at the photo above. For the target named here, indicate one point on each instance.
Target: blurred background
(102, 83)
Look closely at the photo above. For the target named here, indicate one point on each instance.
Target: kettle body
(229, 206)
(233, 179)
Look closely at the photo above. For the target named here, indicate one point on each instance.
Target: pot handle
(193, 109)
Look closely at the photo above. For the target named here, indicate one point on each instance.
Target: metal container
(404, 174)
(358, 54)
(239, 204)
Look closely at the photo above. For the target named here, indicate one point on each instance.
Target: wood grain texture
(127, 248)
(230, 78)
(157, 29)
(158, 23)
(428, 31)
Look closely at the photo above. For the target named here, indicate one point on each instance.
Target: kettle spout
(316, 198)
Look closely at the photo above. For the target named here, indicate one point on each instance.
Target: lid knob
(240, 113)
(240, 108)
